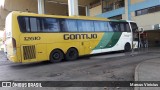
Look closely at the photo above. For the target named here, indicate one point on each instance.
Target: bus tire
(56, 56)
(127, 47)
(72, 54)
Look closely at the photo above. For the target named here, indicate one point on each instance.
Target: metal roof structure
(7, 6)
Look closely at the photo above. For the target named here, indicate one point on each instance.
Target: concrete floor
(119, 67)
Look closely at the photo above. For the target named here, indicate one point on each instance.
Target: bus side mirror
(141, 30)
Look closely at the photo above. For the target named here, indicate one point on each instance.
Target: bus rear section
(12, 34)
(10, 40)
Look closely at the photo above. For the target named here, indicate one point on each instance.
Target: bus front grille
(29, 52)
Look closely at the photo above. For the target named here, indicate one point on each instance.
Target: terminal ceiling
(80, 2)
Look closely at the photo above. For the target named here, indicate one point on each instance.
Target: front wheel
(56, 56)
(72, 54)
(127, 47)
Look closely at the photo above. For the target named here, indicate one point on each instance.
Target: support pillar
(73, 7)
(41, 4)
(127, 9)
(87, 11)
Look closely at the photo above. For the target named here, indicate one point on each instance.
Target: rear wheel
(56, 56)
(127, 47)
(72, 54)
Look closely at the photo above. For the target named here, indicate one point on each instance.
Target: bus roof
(18, 13)
(114, 20)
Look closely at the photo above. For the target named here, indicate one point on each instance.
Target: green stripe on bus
(105, 40)
(113, 41)
(108, 40)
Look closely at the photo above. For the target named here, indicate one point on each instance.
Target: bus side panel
(122, 40)
(41, 52)
(33, 53)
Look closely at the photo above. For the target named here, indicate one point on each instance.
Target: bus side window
(69, 25)
(100, 26)
(114, 26)
(51, 25)
(110, 29)
(24, 24)
(85, 26)
(33, 25)
(122, 27)
(127, 28)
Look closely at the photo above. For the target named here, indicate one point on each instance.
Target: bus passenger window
(122, 26)
(24, 24)
(127, 28)
(114, 26)
(100, 26)
(69, 25)
(85, 26)
(27, 24)
(33, 24)
(51, 25)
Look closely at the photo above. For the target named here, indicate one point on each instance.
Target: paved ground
(108, 67)
(148, 71)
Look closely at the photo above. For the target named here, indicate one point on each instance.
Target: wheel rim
(56, 56)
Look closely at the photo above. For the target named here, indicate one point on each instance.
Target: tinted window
(34, 24)
(134, 27)
(24, 24)
(148, 10)
(157, 8)
(151, 10)
(69, 25)
(122, 27)
(127, 27)
(119, 27)
(85, 26)
(100, 26)
(114, 26)
(50, 25)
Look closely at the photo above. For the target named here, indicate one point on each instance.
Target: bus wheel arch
(127, 47)
(56, 55)
(72, 54)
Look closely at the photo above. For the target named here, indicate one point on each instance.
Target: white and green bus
(32, 37)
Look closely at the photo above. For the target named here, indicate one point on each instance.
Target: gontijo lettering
(79, 36)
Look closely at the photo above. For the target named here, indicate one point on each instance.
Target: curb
(136, 76)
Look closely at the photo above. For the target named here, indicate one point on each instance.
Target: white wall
(95, 10)
(146, 21)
